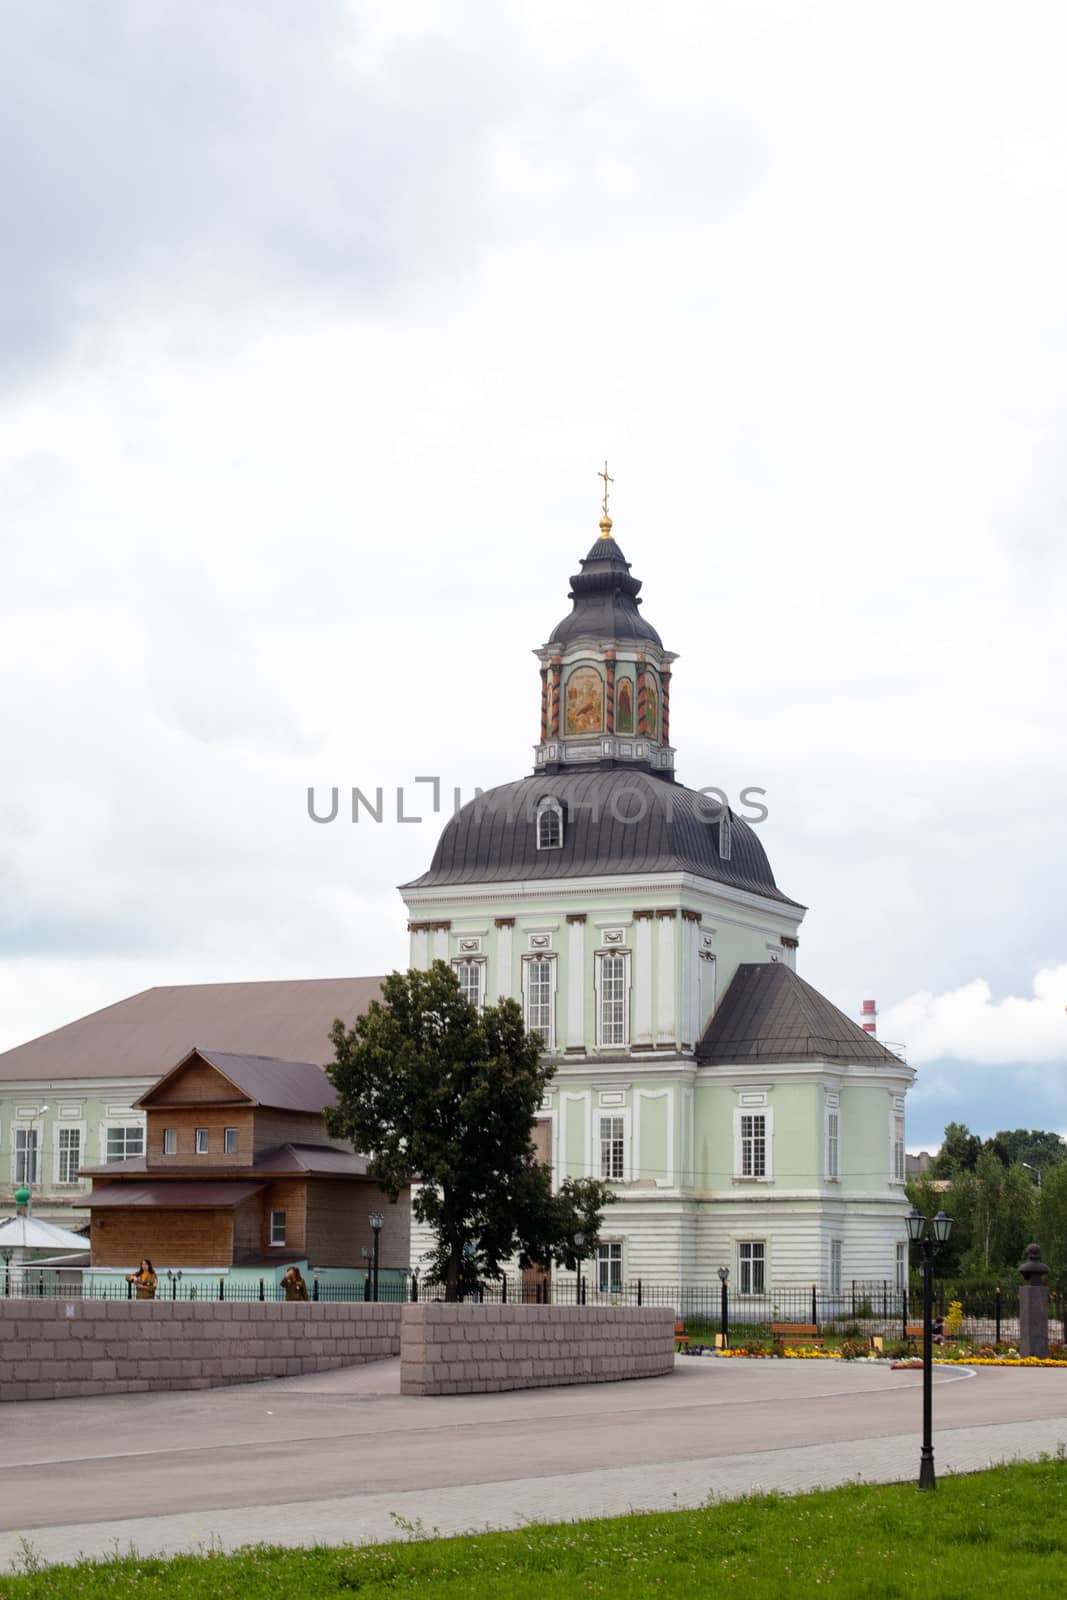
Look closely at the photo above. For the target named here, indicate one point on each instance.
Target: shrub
(954, 1320)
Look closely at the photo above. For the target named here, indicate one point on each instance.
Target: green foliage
(431, 1088)
(1034, 1145)
(1050, 1229)
(959, 1152)
(1003, 1530)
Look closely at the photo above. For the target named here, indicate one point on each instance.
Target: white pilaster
(420, 948)
(575, 1029)
(642, 980)
(503, 960)
(440, 941)
(688, 981)
(665, 1018)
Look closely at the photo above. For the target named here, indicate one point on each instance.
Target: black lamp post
(377, 1222)
(930, 1236)
(724, 1309)
(579, 1245)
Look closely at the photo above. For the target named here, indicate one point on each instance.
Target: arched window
(549, 825)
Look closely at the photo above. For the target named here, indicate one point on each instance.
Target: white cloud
(968, 1024)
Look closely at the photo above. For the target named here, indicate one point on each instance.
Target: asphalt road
(342, 1456)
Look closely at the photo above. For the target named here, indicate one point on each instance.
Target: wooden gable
(194, 1081)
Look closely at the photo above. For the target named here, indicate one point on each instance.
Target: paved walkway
(342, 1457)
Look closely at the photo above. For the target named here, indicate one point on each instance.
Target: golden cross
(607, 480)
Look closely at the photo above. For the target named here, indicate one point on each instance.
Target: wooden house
(239, 1170)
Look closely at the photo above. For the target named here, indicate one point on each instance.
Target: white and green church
(742, 1119)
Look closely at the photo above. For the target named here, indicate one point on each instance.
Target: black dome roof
(605, 599)
(673, 829)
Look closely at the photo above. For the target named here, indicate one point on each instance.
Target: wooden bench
(681, 1336)
(797, 1333)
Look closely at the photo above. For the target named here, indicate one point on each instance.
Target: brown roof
(769, 1014)
(203, 1194)
(285, 1158)
(143, 1036)
(265, 1080)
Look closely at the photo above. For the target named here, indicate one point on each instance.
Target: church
(742, 1120)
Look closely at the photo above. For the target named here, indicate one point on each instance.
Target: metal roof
(314, 1159)
(204, 1194)
(605, 600)
(143, 1036)
(264, 1080)
(673, 829)
(769, 1014)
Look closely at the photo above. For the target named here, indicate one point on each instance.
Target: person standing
(144, 1280)
(294, 1284)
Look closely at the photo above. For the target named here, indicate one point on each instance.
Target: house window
(471, 975)
(125, 1143)
(835, 1266)
(549, 825)
(539, 990)
(25, 1155)
(229, 1141)
(902, 1265)
(70, 1155)
(613, 1148)
(898, 1147)
(609, 1267)
(751, 1264)
(833, 1143)
(201, 1141)
(277, 1227)
(170, 1141)
(753, 1144)
(613, 999)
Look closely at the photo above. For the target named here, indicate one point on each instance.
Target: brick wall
(54, 1348)
(474, 1349)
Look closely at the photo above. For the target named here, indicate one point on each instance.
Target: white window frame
(478, 963)
(202, 1145)
(833, 1141)
(27, 1131)
(170, 1142)
(277, 1243)
(549, 807)
(78, 1129)
(228, 1148)
(126, 1128)
(898, 1164)
(740, 1114)
(902, 1265)
(603, 1042)
(752, 1261)
(836, 1267)
(548, 1033)
(609, 1257)
(613, 1114)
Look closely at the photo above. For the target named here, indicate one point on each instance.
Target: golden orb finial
(605, 521)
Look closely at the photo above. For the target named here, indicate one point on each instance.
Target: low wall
(50, 1349)
(469, 1349)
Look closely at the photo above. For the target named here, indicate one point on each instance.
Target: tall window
(835, 1266)
(754, 1144)
(549, 825)
(229, 1141)
(25, 1155)
(613, 999)
(833, 1146)
(613, 1148)
(170, 1141)
(277, 1227)
(751, 1265)
(201, 1141)
(898, 1147)
(902, 1264)
(470, 974)
(70, 1154)
(609, 1267)
(539, 984)
(124, 1143)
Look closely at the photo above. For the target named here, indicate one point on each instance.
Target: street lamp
(579, 1242)
(1035, 1170)
(931, 1236)
(724, 1309)
(377, 1222)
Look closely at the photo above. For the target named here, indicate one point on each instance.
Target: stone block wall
(468, 1349)
(50, 1349)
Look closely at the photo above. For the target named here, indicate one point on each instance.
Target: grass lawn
(998, 1532)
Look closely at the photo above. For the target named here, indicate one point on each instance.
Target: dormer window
(549, 825)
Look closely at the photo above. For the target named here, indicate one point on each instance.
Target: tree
(1051, 1228)
(1034, 1147)
(439, 1093)
(959, 1152)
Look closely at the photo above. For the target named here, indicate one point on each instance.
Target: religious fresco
(651, 709)
(624, 707)
(585, 701)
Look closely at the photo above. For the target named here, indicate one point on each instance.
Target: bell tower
(605, 676)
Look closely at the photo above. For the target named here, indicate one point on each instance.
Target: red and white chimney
(869, 1019)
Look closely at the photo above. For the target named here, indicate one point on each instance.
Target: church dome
(605, 599)
(611, 823)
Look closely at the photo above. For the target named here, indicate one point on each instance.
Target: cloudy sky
(316, 322)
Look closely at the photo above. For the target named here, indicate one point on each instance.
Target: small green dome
(22, 1195)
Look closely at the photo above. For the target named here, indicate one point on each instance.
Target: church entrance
(537, 1281)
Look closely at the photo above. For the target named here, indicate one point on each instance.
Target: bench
(913, 1330)
(797, 1333)
(681, 1336)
